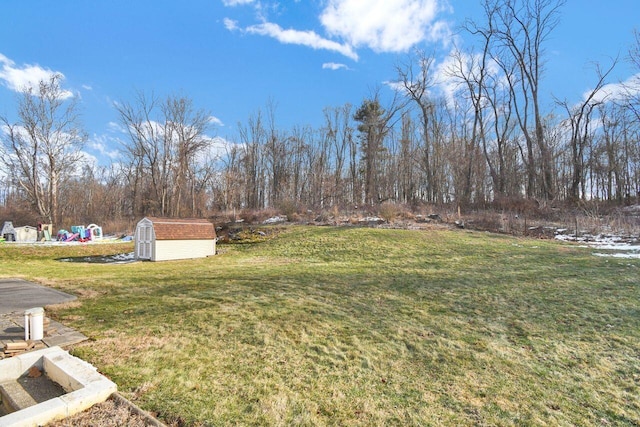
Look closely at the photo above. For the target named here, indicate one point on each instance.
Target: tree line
(486, 140)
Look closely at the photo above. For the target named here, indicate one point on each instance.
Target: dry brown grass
(106, 414)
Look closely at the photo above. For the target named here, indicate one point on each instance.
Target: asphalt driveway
(20, 295)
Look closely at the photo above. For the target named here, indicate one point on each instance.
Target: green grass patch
(358, 326)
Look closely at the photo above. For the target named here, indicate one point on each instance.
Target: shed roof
(182, 229)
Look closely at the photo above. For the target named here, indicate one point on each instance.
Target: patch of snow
(103, 259)
(619, 246)
(128, 257)
(565, 237)
(275, 220)
(371, 219)
(613, 246)
(618, 255)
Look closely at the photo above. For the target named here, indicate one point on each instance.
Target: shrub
(255, 216)
(323, 217)
(288, 208)
(388, 211)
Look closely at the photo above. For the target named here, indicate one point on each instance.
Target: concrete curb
(83, 384)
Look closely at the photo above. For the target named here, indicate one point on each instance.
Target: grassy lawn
(358, 326)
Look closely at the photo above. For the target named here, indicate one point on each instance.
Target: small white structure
(162, 239)
(26, 234)
(95, 232)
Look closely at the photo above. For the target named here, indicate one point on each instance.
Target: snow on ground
(275, 220)
(616, 246)
(103, 259)
(624, 255)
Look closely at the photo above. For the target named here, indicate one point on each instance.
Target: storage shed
(27, 234)
(8, 232)
(162, 239)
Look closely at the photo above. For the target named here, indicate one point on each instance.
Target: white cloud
(230, 24)
(384, 25)
(236, 2)
(116, 127)
(441, 30)
(609, 92)
(218, 149)
(304, 38)
(215, 121)
(62, 139)
(21, 79)
(85, 159)
(381, 25)
(56, 136)
(395, 86)
(449, 75)
(333, 66)
(260, 9)
(103, 145)
(440, 79)
(87, 87)
(617, 91)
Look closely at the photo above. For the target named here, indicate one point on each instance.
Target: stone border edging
(150, 419)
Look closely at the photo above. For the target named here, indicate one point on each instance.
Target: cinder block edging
(84, 385)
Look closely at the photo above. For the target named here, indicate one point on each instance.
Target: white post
(34, 323)
(37, 323)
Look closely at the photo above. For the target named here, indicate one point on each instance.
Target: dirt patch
(239, 233)
(88, 293)
(111, 412)
(63, 306)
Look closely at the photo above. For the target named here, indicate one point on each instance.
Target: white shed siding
(183, 249)
(162, 239)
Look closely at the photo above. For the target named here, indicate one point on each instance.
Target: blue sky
(233, 56)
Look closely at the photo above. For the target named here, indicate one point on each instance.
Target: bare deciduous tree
(633, 86)
(253, 138)
(42, 149)
(417, 82)
(165, 140)
(521, 28)
(491, 99)
(579, 119)
(340, 136)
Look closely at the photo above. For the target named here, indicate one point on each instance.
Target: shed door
(144, 239)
